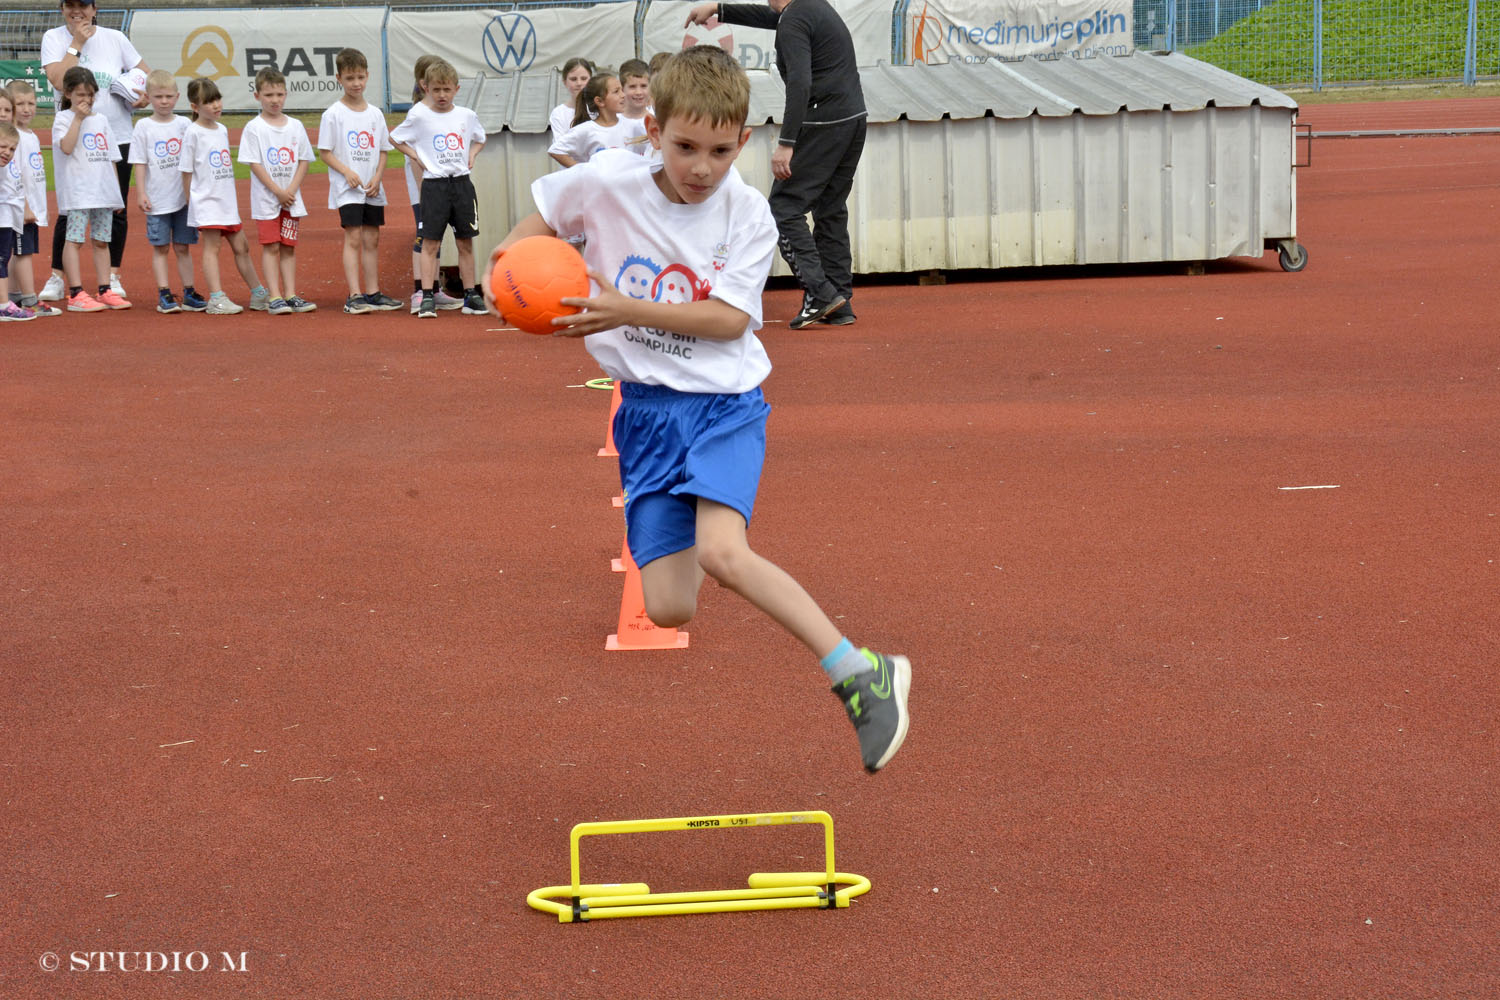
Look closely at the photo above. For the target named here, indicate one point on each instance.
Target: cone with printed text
(608, 451)
(636, 631)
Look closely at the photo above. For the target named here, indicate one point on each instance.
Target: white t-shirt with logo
(86, 177)
(212, 199)
(33, 173)
(158, 146)
(585, 139)
(13, 193)
(107, 54)
(359, 140)
(561, 119)
(278, 148)
(442, 140)
(653, 248)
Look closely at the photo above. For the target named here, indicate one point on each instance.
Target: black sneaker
(382, 303)
(842, 316)
(356, 304)
(474, 305)
(813, 310)
(876, 703)
(428, 308)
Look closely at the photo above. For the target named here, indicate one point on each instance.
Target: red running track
(304, 620)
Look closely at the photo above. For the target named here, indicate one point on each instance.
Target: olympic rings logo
(95, 140)
(219, 158)
(168, 147)
(451, 141)
(280, 156)
(360, 140)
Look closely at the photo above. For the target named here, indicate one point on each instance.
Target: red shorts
(227, 230)
(282, 229)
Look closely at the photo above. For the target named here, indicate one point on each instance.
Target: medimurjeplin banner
(940, 31)
(231, 46)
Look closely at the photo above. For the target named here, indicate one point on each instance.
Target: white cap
(129, 85)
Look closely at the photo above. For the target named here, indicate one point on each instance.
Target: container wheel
(1293, 260)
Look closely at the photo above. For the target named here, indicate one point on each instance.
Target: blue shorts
(678, 446)
(27, 240)
(163, 230)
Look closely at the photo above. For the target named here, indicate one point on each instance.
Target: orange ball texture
(530, 278)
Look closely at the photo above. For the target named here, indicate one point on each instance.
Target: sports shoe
(43, 310)
(219, 305)
(356, 304)
(260, 301)
(876, 703)
(301, 305)
(813, 310)
(278, 307)
(113, 299)
(115, 286)
(54, 290)
(842, 316)
(382, 303)
(474, 305)
(83, 302)
(166, 302)
(12, 313)
(428, 308)
(416, 302)
(448, 302)
(192, 301)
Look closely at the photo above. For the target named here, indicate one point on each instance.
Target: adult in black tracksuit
(822, 136)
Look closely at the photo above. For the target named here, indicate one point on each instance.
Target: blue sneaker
(278, 307)
(166, 302)
(381, 303)
(875, 700)
(192, 301)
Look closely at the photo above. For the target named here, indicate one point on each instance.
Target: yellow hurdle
(583, 901)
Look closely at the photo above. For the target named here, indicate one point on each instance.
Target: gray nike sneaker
(876, 702)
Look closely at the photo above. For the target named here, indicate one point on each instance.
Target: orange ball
(530, 278)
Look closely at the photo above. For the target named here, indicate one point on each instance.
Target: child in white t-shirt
(353, 142)
(88, 189)
(207, 170)
(605, 99)
(156, 151)
(575, 76)
(12, 208)
(413, 173)
(278, 151)
(32, 168)
(444, 139)
(681, 250)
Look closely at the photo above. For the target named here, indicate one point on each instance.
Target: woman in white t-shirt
(575, 76)
(84, 158)
(605, 99)
(108, 54)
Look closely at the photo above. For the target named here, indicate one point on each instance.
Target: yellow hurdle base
(581, 902)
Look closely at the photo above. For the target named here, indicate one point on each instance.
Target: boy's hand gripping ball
(530, 278)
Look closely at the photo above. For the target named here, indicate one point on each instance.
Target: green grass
(1363, 41)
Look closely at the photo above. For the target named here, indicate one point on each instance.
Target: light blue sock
(844, 662)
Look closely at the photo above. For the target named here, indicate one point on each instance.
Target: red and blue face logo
(94, 140)
(450, 142)
(167, 147)
(219, 158)
(360, 140)
(280, 156)
(37, 163)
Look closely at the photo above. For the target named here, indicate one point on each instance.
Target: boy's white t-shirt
(86, 177)
(360, 140)
(278, 148)
(442, 140)
(158, 146)
(561, 119)
(107, 54)
(212, 199)
(653, 248)
(33, 173)
(585, 139)
(13, 194)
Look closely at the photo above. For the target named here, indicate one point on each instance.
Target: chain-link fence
(1317, 43)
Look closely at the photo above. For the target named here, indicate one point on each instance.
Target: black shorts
(449, 201)
(7, 244)
(26, 240)
(360, 214)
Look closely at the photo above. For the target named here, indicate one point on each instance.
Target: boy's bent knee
(669, 612)
(724, 561)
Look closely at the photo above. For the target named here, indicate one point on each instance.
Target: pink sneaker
(114, 300)
(83, 302)
(12, 313)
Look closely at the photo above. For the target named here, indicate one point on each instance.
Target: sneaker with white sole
(192, 301)
(357, 305)
(416, 302)
(12, 313)
(54, 290)
(447, 302)
(875, 701)
(428, 308)
(115, 286)
(43, 310)
(382, 303)
(83, 302)
(814, 310)
(260, 301)
(278, 307)
(474, 305)
(112, 299)
(166, 302)
(301, 305)
(219, 305)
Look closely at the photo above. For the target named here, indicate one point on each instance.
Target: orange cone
(636, 630)
(608, 451)
(618, 565)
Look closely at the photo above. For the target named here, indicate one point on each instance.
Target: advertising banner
(940, 31)
(29, 70)
(231, 46)
(495, 43)
(869, 25)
